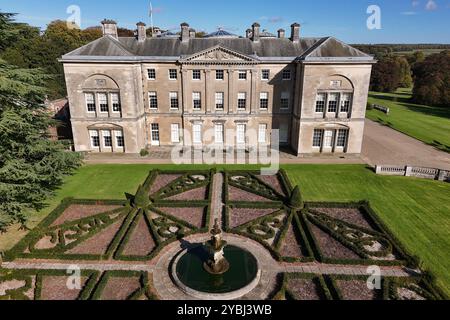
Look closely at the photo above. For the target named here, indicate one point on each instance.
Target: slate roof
(271, 49)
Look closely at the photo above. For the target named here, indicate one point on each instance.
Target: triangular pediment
(219, 54)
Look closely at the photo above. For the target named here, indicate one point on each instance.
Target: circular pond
(242, 275)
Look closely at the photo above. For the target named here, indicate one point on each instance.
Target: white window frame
(155, 134)
(174, 96)
(197, 137)
(107, 134)
(175, 133)
(119, 134)
(219, 133)
(262, 133)
(242, 96)
(105, 95)
(148, 74)
(242, 72)
(346, 97)
(330, 99)
(170, 75)
(218, 72)
(263, 96)
(94, 134)
(88, 101)
(328, 139)
(196, 96)
(263, 72)
(342, 136)
(219, 100)
(318, 134)
(150, 95)
(319, 96)
(241, 129)
(115, 100)
(194, 72)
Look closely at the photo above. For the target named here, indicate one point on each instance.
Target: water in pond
(243, 270)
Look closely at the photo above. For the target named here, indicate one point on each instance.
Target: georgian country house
(132, 93)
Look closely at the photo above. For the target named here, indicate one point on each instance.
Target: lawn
(425, 123)
(416, 211)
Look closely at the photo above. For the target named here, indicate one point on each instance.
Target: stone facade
(129, 94)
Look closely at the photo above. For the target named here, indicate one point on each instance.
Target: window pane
(240, 133)
(174, 100)
(197, 102)
(175, 128)
(264, 100)
(346, 99)
(262, 133)
(219, 75)
(151, 74)
(219, 133)
(155, 132)
(242, 100)
(342, 138)
(120, 142)
(95, 139)
(242, 75)
(90, 102)
(173, 74)
(219, 100)
(153, 99)
(107, 138)
(197, 133)
(320, 102)
(333, 102)
(317, 139)
(103, 101)
(265, 75)
(196, 75)
(286, 74)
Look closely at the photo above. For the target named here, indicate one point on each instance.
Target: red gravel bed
(192, 195)
(120, 288)
(329, 247)
(274, 182)
(79, 211)
(55, 288)
(240, 216)
(140, 242)
(236, 194)
(193, 216)
(304, 289)
(163, 180)
(291, 246)
(98, 244)
(349, 215)
(357, 290)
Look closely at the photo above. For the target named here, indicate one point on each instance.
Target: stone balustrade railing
(418, 172)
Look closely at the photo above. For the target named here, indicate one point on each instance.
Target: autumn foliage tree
(432, 80)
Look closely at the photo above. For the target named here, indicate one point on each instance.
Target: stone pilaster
(232, 95)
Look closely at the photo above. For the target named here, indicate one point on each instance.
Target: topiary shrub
(144, 153)
(296, 201)
(141, 200)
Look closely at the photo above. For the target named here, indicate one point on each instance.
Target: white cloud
(408, 13)
(431, 5)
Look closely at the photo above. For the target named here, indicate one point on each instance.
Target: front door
(328, 141)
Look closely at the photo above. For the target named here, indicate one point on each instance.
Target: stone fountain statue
(217, 264)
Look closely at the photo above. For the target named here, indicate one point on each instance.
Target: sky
(401, 21)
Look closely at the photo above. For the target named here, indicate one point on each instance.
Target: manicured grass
(425, 123)
(417, 211)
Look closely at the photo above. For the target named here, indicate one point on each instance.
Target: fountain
(215, 269)
(218, 264)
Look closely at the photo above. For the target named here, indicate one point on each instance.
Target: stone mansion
(132, 93)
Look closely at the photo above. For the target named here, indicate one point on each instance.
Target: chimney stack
(141, 32)
(110, 28)
(192, 33)
(248, 33)
(295, 33)
(185, 32)
(281, 34)
(255, 32)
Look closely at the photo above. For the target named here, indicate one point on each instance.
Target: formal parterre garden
(172, 205)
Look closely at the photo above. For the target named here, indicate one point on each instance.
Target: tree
(406, 80)
(296, 201)
(31, 165)
(432, 80)
(386, 75)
